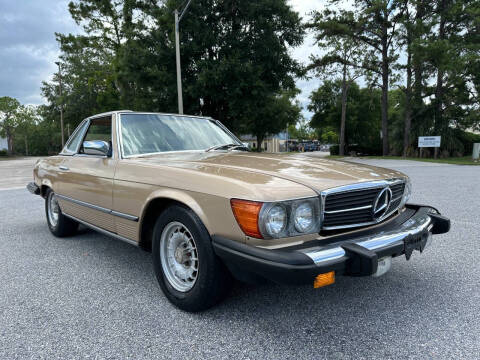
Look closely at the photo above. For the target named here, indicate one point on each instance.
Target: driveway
(90, 296)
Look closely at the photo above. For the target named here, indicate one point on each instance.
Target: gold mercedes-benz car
(186, 189)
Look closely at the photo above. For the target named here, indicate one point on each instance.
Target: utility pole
(61, 102)
(179, 69)
(178, 18)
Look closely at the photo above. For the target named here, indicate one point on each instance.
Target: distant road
(317, 153)
(16, 173)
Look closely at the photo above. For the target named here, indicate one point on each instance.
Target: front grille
(397, 193)
(350, 208)
(397, 190)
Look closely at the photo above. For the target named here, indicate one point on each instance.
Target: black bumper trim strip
(33, 188)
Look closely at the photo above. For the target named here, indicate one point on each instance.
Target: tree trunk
(440, 73)
(260, 138)
(341, 149)
(124, 84)
(385, 77)
(417, 67)
(9, 144)
(26, 146)
(408, 97)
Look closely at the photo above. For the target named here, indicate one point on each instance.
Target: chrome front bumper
(415, 226)
(353, 254)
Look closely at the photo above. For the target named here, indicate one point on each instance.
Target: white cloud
(303, 52)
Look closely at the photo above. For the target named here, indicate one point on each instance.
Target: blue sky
(28, 49)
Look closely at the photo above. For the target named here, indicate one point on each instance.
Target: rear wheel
(191, 276)
(58, 223)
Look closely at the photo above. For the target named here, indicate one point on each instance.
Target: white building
(3, 144)
(272, 144)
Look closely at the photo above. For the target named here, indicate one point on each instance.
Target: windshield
(155, 133)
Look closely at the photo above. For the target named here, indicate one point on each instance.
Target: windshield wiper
(225, 146)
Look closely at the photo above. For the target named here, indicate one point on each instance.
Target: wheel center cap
(179, 255)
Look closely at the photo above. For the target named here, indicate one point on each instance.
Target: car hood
(314, 172)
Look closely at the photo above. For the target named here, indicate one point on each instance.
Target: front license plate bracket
(415, 242)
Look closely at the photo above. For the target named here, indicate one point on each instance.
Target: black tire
(213, 279)
(64, 226)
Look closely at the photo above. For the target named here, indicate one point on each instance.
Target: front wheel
(58, 223)
(187, 269)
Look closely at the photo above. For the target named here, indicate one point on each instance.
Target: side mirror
(96, 147)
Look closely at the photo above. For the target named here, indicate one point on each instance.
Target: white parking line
(14, 188)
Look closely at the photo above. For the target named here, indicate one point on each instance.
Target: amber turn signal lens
(246, 213)
(324, 279)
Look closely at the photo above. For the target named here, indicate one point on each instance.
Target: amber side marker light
(324, 279)
(246, 213)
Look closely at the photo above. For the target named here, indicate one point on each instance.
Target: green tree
(88, 85)
(414, 30)
(274, 115)
(25, 129)
(441, 41)
(341, 58)
(301, 131)
(454, 52)
(111, 28)
(126, 58)
(363, 124)
(373, 24)
(236, 61)
(9, 120)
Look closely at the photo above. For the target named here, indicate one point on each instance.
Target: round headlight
(407, 192)
(304, 217)
(276, 220)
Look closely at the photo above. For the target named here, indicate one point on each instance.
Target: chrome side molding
(98, 208)
(103, 231)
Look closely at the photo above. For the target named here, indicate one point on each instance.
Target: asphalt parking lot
(93, 297)
(14, 173)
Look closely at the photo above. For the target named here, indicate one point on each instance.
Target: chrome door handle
(63, 168)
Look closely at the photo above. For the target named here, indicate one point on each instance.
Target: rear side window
(76, 138)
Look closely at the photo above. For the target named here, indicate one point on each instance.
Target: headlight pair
(278, 219)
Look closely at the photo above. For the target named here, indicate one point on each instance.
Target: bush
(3, 153)
(468, 139)
(362, 150)
(334, 149)
(359, 150)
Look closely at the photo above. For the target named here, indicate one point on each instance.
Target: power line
(184, 10)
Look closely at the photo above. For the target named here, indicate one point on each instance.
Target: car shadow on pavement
(348, 294)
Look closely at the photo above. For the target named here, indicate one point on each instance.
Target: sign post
(429, 141)
(476, 151)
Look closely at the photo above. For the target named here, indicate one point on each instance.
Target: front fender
(179, 196)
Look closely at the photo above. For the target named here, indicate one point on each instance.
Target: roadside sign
(476, 151)
(429, 141)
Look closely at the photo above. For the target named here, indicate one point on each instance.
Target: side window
(74, 142)
(100, 129)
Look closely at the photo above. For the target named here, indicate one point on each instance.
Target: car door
(87, 180)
